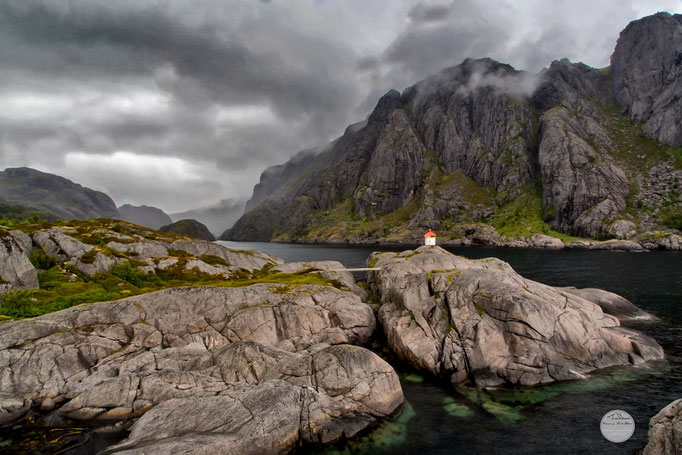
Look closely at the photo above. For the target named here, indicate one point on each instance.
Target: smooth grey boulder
(665, 431)
(610, 303)
(113, 361)
(545, 241)
(660, 241)
(237, 259)
(622, 229)
(57, 242)
(479, 320)
(16, 270)
(280, 401)
(617, 245)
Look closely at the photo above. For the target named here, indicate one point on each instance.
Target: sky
(181, 103)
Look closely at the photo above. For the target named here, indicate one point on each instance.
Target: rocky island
(236, 351)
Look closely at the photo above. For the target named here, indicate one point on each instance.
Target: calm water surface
(556, 419)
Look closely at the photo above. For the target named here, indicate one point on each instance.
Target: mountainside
(189, 227)
(217, 217)
(571, 151)
(144, 215)
(55, 195)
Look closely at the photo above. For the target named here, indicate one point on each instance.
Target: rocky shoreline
(273, 367)
(650, 241)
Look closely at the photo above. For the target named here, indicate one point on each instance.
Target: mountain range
(571, 151)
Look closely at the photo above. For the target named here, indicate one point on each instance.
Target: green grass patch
(470, 190)
(673, 221)
(58, 290)
(89, 257)
(523, 217)
(178, 253)
(12, 213)
(63, 286)
(213, 260)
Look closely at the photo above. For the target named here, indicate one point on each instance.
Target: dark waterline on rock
(559, 419)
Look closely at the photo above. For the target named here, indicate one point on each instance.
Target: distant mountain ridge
(144, 215)
(54, 195)
(216, 217)
(191, 228)
(573, 150)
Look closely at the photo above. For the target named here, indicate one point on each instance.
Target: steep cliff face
(582, 184)
(647, 75)
(54, 194)
(275, 177)
(572, 150)
(475, 118)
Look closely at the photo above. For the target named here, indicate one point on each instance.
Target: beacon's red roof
(430, 234)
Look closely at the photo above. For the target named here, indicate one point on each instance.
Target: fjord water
(561, 418)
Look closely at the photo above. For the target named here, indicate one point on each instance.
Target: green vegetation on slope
(631, 148)
(523, 217)
(61, 285)
(11, 212)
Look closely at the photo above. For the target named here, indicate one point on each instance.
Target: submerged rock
(258, 369)
(480, 320)
(665, 431)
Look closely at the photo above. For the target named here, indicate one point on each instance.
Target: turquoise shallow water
(558, 419)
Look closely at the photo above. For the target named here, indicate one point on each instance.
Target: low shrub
(42, 260)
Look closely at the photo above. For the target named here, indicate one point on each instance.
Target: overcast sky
(181, 103)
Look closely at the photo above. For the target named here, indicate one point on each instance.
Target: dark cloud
(195, 99)
(425, 13)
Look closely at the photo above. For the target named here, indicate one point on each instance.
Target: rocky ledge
(261, 369)
(479, 320)
(665, 431)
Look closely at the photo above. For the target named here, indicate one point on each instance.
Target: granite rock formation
(482, 143)
(271, 368)
(665, 431)
(480, 321)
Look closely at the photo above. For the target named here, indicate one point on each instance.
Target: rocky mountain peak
(483, 143)
(647, 75)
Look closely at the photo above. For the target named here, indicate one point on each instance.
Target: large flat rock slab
(272, 366)
(479, 320)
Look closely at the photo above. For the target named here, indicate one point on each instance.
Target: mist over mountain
(216, 217)
(144, 215)
(572, 150)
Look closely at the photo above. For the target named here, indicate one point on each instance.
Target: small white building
(430, 238)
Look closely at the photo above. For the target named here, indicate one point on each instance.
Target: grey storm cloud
(181, 103)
